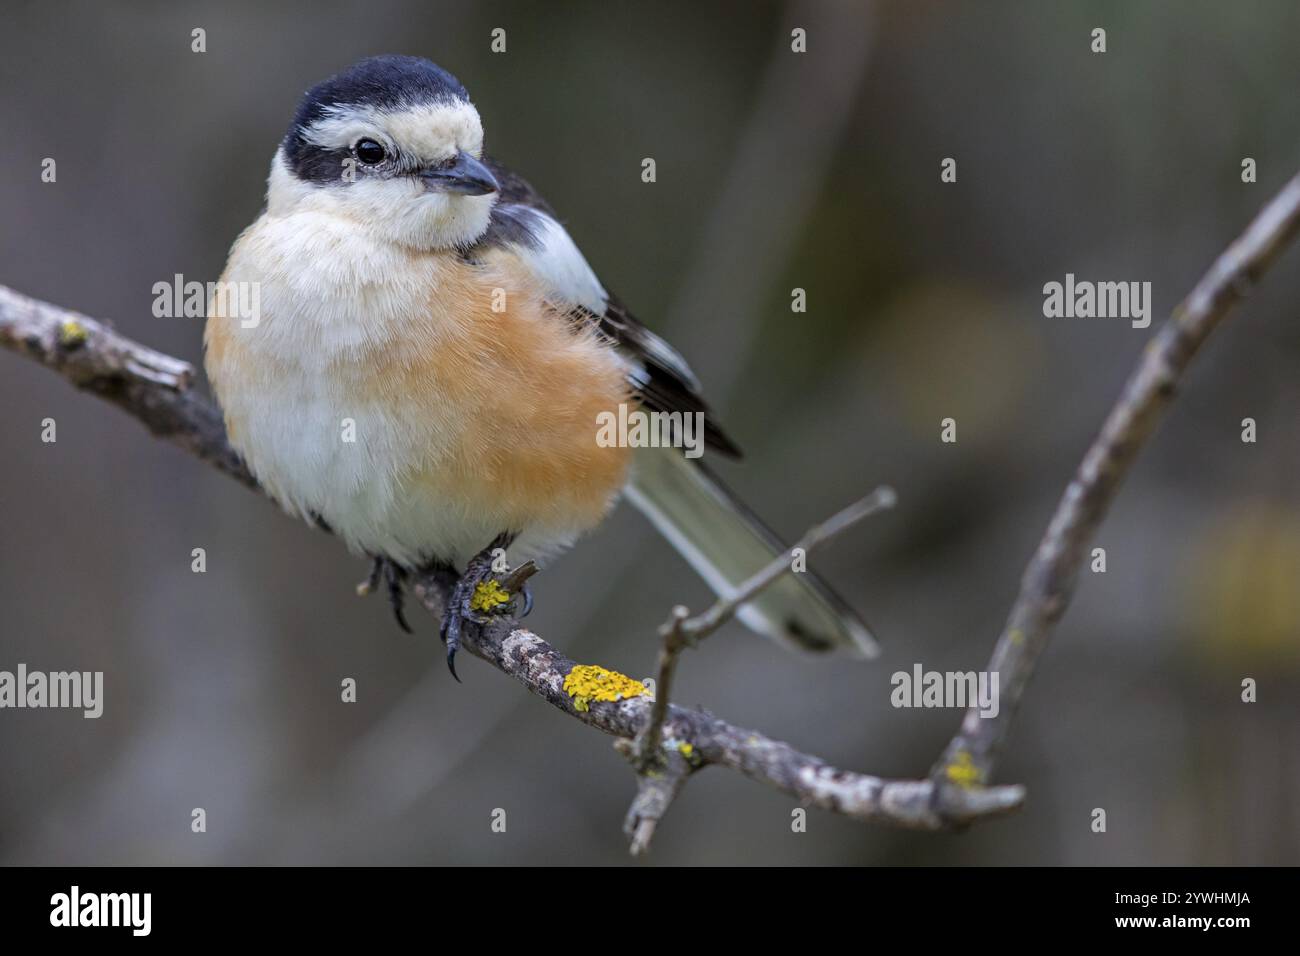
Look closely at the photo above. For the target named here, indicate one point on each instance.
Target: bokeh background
(775, 170)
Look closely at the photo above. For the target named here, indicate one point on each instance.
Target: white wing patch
(557, 261)
(554, 258)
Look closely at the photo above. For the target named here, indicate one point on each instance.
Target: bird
(431, 355)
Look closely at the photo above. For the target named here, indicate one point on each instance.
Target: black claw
(527, 593)
(451, 637)
(396, 593)
(399, 614)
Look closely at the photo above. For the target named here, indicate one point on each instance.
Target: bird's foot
(394, 578)
(483, 594)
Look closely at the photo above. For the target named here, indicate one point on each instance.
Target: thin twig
(649, 742)
(681, 631)
(656, 790)
(515, 579)
(697, 628)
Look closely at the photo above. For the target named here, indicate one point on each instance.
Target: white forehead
(427, 130)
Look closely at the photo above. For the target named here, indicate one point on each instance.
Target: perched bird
(432, 354)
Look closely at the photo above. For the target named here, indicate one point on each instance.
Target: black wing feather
(665, 382)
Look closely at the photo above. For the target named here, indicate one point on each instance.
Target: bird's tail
(725, 543)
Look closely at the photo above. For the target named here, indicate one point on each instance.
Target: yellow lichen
(688, 751)
(589, 682)
(489, 595)
(962, 771)
(72, 333)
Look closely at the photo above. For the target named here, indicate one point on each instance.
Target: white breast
(302, 411)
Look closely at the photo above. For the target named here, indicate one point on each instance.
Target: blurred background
(775, 171)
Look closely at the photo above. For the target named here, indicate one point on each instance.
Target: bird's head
(393, 143)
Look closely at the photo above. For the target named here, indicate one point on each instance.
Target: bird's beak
(466, 176)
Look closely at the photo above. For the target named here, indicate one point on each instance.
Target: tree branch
(154, 388)
(1049, 580)
(148, 385)
(703, 739)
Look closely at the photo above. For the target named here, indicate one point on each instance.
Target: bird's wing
(722, 539)
(660, 378)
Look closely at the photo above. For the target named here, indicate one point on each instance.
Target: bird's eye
(369, 152)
